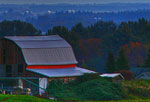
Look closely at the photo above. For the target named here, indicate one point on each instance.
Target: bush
(99, 89)
(128, 75)
(59, 89)
(138, 87)
(55, 86)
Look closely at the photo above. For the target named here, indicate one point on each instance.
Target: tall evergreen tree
(110, 64)
(122, 61)
(80, 30)
(147, 60)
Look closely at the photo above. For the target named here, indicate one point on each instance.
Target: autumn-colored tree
(135, 52)
(90, 48)
(128, 75)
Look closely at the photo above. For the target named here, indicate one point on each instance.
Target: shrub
(138, 87)
(59, 89)
(128, 75)
(55, 86)
(99, 89)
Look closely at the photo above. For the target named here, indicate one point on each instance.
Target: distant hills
(77, 7)
(44, 17)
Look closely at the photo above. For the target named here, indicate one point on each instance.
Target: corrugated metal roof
(22, 38)
(61, 72)
(52, 56)
(111, 75)
(39, 41)
(44, 50)
(42, 44)
(145, 75)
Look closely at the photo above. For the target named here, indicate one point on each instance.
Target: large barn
(35, 60)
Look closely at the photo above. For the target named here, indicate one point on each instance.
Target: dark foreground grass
(137, 100)
(22, 98)
(25, 98)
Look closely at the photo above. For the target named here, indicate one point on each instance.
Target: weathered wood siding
(11, 51)
(11, 55)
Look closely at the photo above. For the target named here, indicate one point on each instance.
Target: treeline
(17, 28)
(93, 43)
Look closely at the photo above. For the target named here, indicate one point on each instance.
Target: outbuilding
(113, 76)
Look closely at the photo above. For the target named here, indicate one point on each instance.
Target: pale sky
(70, 1)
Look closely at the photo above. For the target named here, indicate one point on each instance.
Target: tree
(147, 60)
(122, 61)
(69, 36)
(80, 30)
(110, 64)
(59, 30)
(12, 28)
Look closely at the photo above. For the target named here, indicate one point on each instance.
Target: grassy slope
(138, 100)
(25, 98)
(21, 98)
(132, 97)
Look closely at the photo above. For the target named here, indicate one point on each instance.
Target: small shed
(114, 76)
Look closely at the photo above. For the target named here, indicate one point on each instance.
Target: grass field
(25, 98)
(22, 98)
(138, 100)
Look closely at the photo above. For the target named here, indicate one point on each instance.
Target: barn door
(43, 84)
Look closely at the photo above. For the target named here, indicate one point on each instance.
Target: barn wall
(32, 74)
(11, 52)
(11, 56)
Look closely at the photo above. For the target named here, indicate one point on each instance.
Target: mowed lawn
(22, 98)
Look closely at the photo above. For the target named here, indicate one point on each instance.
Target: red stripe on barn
(50, 66)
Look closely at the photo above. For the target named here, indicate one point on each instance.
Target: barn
(33, 61)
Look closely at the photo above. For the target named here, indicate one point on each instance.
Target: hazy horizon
(70, 1)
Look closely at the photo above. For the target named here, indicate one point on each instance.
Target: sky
(70, 1)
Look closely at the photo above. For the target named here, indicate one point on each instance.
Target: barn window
(8, 70)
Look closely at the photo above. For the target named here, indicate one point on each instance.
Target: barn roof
(144, 75)
(44, 50)
(75, 71)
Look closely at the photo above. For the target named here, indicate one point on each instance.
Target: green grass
(25, 98)
(22, 98)
(138, 100)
